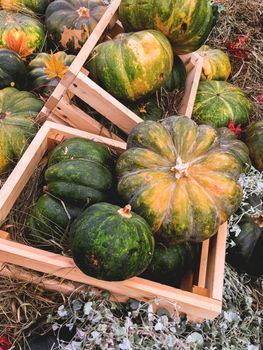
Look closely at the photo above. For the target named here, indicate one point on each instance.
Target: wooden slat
(216, 263)
(136, 288)
(203, 264)
(191, 86)
(104, 103)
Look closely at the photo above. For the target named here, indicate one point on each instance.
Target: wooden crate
(59, 107)
(199, 300)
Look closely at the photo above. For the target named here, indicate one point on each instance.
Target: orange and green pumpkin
(71, 22)
(254, 141)
(132, 65)
(186, 23)
(216, 64)
(219, 102)
(176, 175)
(12, 70)
(37, 6)
(17, 126)
(178, 76)
(46, 70)
(20, 33)
(111, 243)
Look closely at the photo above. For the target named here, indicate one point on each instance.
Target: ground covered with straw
(95, 322)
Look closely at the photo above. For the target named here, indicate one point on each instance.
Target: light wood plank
(203, 264)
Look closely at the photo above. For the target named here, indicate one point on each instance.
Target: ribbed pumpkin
(17, 127)
(218, 102)
(132, 65)
(12, 70)
(46, 70)
(48, 222)
(111, 243)
(187, 23)
(37, 6)
(78, 172)
(70, 22)
(178, 76)
(169, 264)
(254, 141)
(20, 33)
(230, 143)
(216, 64)
(176, 175)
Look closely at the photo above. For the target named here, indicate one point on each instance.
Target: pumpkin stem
(180, 169)
(2, 115)
(83, 12)
(126, 211)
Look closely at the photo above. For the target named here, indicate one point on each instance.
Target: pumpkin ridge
(168, 211)
(124, 71)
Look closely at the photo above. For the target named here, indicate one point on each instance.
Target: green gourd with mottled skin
(179, 178)
(17, 126)
(132, 65)
(12, 70)
(186, 23)
(219, 102)
(254, 141)
(37, 6)
(178, 76)
(111, 243)
(79, 172)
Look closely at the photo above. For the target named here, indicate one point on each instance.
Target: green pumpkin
(111, 243)
(186, 23)
(178, 76)
(246, 255)
(176, 175)
(48, 221)
(79, 172)
(219, 102)
(21, 33)
(254, 141)
(147, 109)
(46, 70)
(169, 264)
(132, 65)
(71, 22)
(230, 143)
(37, 6)
(216, 64)
(12, 70)
(17, 126)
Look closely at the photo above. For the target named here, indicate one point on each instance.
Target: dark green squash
(169, 264)
(178, 76)
(111, 243)
(79, 172)
(254, 141)
(186, 23)
(12, 70)
(48, 222)
(147, 109)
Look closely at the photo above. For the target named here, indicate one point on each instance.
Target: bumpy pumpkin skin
(78, 172)
(17, 126)
(176, 175)
(71, 22)
(12, 23)
(254, 141)
(111, 244)
(186, 23)
(219, 102)
(48, 220)
(178, 76)
(216, 64)
(132, 65)
(37, 6)
(39, 78)
(12, 70)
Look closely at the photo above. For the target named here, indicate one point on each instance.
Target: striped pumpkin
(216, 64)
(218, 102)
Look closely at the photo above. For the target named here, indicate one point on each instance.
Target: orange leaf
(55, 68)
(75, 35)
(16, 40)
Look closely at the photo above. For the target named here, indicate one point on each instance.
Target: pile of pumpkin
(179, 179)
